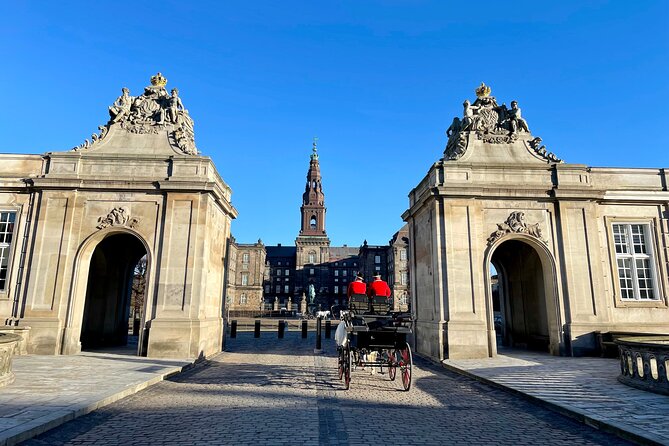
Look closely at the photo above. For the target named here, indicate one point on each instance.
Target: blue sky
(377, 81)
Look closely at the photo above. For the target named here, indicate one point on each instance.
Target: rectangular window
(403, 254)
(245, 257)
(266, 289)
(245, 279)
(377, 268)
(377, 259)
(343, 273)
(242, 299)
(634, 259)
(286, 272)
(278, 272)
(404, 278)
(286, 289)
(336, 289)
(311, 271)
(7, 220)
(336, 273)
(279, 263)
(278, 289)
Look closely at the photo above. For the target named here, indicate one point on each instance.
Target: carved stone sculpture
(486, 121)
(152, 112)
(118, 216)
(540, 150)
(121, 107)
(515, 223)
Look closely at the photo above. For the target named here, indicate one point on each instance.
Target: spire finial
(314, 148)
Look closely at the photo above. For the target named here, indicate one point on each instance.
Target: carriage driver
(357, 286)
(378, 287)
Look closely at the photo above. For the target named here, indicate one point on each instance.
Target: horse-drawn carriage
(371, 336)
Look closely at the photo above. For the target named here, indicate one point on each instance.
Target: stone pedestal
(8, 344)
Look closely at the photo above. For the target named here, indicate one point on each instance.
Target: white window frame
(245, 279)
(286, 289)
(649, 256)
(245, 257)
(403, 254)
(7, 248)
(377, 259)
(242, 299)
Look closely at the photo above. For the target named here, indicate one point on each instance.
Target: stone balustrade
(8, 344)
(644, 362)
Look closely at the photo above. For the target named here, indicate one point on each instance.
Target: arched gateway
(85, 217)
(576, 249)
(524, 309)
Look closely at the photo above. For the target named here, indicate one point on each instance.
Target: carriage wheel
(341, 362)
(347, 368)
(392, 364)
(406, 361)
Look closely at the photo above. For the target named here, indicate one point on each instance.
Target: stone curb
(37, 426)
(627, 432)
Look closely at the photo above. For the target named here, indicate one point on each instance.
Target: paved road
(276, 391)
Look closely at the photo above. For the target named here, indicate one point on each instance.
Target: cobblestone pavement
(276, 391)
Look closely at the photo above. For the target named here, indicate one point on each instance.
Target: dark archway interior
(520, 310)
(106, 312)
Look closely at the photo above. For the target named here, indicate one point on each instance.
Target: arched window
(312, 222)
(312, 257)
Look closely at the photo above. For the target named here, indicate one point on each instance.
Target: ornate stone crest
(489, 122)
(515, 224)
(152, 112)
(118, 216)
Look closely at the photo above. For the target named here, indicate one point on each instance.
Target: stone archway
(523, 307)
(108, 291)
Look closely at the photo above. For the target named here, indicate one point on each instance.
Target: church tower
(312, 242)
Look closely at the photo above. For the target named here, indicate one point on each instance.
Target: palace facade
(312, 274)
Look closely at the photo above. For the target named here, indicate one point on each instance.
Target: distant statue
(121, 107)
(468, 116)
(312, 293)
(454, 128)
(515, 119)
(174, 105)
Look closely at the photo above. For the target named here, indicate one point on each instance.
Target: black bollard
(256, 331)
(318, 334)
(233, 328)
(304, 329)
(282, 327)
(328, 329)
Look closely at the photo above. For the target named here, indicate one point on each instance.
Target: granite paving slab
(585, 388)
(51, 390)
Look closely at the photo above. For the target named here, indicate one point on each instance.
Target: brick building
(312, 263)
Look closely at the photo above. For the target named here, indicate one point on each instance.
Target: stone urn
(7, 346)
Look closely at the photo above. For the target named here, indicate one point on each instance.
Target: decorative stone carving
(118, 216)
(515, 224)
(152, 112)
(95, 138)
(491, 123)
(540, 150)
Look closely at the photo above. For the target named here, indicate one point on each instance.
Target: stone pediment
(494, 134)
(153, 123)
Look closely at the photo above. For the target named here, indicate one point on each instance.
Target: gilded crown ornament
(158, 80)
(483, 91)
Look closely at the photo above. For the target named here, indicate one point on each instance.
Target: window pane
(625, 275)
(620, 239)
(6, 232)
(638, 239)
